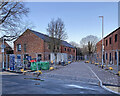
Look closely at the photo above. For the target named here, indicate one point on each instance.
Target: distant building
(35, 44)
(7, 50)
(111, 48)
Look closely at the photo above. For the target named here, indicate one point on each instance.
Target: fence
(23, 61)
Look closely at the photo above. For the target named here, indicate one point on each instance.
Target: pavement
(75, 71)
(108, 77)
(105, 75)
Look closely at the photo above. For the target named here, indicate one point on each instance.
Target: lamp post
(102, 37)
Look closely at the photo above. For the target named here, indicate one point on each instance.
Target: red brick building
(111, 48)
(34, 44)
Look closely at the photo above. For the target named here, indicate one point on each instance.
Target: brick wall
(34, 44)
(110, 48)
(69, 51)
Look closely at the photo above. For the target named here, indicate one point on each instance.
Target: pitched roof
(112, 32)
(47, 38)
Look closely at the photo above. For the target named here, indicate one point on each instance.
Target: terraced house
(111, 48)
(35, 44)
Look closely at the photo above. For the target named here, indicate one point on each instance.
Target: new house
(35, 44)
(111, 48)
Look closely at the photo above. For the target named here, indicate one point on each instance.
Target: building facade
(7, 50)
(111, 48)
(35, 44)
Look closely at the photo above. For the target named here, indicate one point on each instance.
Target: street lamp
(102, 37)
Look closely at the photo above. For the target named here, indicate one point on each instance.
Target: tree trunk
(55, 58)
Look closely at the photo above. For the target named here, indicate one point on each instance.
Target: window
(18, 47)
(115, 55)
(106, 42)
(65, 49)
(110, 40)
(116, 38)
(24, 47)
(74, 50)
(106, 56)
(57, 47)
(49, 57)
(68, 50)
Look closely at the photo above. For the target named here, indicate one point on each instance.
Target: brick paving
(106, 76)
(75, 71)
(79, 71)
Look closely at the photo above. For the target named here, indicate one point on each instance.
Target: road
(65, 82)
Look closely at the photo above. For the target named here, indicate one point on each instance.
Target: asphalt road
(17, 84)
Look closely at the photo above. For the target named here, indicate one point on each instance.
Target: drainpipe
(3, 52)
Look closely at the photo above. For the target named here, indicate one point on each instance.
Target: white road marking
(77, 86)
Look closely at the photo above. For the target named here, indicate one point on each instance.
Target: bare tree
(74, 44)
(88, 44)
(56, 32)
(11, 12)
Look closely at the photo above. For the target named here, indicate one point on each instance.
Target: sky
(80, 18)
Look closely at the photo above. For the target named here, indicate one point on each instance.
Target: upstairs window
(18, 47)
(64, 49)
(74, 50)
(68, 50)
(106, 42)
(116, 38)
(110, 39)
